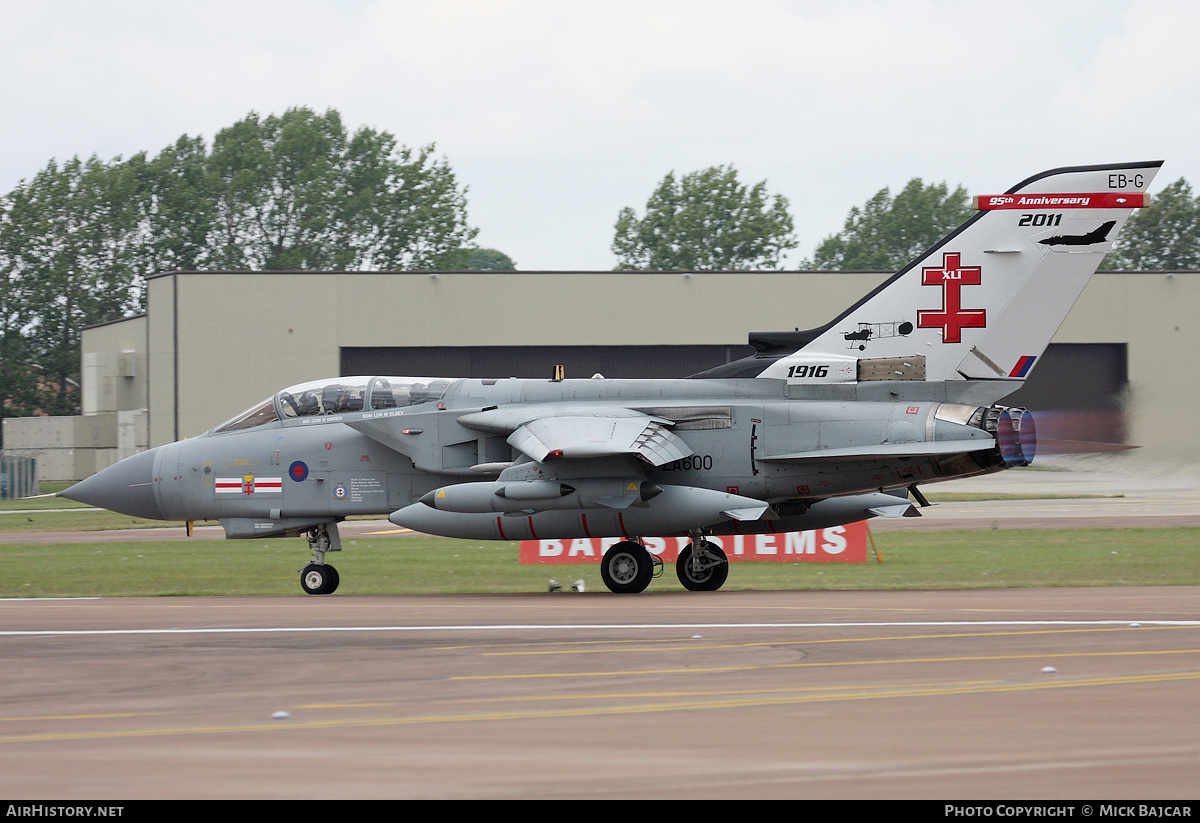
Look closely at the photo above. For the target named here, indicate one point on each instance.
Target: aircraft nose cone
(126, 487)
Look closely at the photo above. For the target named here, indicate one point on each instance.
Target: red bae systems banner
(837, 544)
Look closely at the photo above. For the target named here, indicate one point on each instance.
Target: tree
(68, 254)
(476, 259)
(705, 221)
(17, 381)
(888, 232)
(296, 192)
(176, 206)
(1163, 236)
(291, 192)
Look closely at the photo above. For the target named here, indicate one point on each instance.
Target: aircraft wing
(582, 432)
(584, 437)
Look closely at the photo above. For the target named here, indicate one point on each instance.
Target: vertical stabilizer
(985, 301)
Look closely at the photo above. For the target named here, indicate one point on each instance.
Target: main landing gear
(628, 568)
(318, 576)
(702, 566)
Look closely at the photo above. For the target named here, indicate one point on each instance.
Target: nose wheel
(322, 579)
(318, 576)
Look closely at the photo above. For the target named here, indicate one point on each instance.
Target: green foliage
(1164, 236)
(78, 240)
(886, 233)
(176, 207)
(476, 259)
(68, 248)
(298, 193)
(705, 221)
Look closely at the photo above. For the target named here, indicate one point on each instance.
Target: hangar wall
(1157, 315)
(218, 342)
(233, 338)
(114, 420)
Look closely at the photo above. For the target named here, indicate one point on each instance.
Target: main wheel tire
(708, 580)
(317, 579)
(334, 579)
(627, 568)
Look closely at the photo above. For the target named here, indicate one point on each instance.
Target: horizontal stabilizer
(887, 450)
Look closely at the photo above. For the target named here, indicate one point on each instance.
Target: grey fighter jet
(804, 434)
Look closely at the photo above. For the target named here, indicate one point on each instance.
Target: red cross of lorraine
(951, 318)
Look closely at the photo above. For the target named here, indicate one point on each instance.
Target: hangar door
(1077, 389)
(539, 361)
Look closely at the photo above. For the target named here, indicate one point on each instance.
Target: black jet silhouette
(1098, 235)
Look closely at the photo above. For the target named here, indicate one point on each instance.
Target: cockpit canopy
(339, 395)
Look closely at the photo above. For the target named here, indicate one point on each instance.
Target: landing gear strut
(318, 577)
(702, 566)
(628, 568)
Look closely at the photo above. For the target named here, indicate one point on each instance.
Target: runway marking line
(727, 669)
(470, 646)
(785, 642)
(106, 716)
(523, 627)
(595, 711)
(855, 688)
(833, 689)
(44, 599)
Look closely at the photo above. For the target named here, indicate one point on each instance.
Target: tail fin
(983, 303)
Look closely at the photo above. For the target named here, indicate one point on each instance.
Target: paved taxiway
(1076, 492)
(728, 694)
(667, 694)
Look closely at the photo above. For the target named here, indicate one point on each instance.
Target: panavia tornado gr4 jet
(807, 433)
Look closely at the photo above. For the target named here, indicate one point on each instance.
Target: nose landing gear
(318, 577)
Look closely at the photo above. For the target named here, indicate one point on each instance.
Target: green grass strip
(417, 565)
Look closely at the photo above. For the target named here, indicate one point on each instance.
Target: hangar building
(214, 343)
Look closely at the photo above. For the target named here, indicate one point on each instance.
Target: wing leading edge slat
(589, 437)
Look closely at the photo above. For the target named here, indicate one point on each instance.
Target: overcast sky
(557, 114)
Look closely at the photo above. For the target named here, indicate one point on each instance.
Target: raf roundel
(298, 471)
